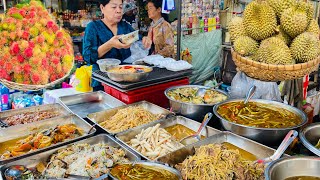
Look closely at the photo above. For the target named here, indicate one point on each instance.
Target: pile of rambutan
(33, 49)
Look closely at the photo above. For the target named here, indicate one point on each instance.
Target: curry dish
(258, 115)
(188, 95)
(39, 140)
(139, 171)
(179, 131)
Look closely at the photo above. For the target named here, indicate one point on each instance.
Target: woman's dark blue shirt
(96, 34)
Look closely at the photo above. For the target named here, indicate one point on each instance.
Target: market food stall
(136, 129)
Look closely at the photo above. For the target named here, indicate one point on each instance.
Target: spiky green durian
(280, 5)
(236, 28)
(245, 45)
(274, 51)
(294, 21)
(259, 20)
(305, 47)
(313, 27)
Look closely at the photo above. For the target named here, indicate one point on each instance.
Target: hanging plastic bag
(83, 78)
(137, 52)
(241, 84)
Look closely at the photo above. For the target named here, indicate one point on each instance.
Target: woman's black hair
(105, 2)
(158, 4)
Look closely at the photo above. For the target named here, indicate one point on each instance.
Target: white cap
(128, 7)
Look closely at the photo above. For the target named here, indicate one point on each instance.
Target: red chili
(127, 67)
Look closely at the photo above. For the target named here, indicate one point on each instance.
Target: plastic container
(154, 94)
(104, 64)
(5, 104)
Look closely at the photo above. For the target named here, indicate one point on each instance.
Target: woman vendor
(160, 31)
(101, 38)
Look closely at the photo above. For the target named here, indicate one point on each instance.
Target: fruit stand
(148, 122)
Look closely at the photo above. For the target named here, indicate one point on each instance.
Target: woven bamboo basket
(27, 87)
(270, 72)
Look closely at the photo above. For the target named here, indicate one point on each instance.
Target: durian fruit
(305, 47)
(308, 8)
(245, 45)
(283, 35)
(294, 20)
(259, 20)
(236, 28)
(280, 5)
(313, 27)
(274, 51)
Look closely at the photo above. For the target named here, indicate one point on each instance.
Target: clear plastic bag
(241, 84)
(137, 52)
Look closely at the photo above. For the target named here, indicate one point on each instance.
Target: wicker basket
(270, 72)
(27, 87)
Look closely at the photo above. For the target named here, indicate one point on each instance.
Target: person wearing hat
(129, 15)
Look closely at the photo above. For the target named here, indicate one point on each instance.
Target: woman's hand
(146, 41)
(115, 43)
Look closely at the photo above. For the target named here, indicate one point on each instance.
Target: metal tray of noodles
(32, 161)
(21, 131)
(258, 150)
(126, 136)
(101, 116)
(49, 107)
(86, 103)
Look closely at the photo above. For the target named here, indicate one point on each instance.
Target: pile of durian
(276, 32)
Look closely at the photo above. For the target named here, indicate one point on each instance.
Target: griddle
(157, 76)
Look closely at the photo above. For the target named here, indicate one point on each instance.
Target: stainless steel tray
(52, 107)
(191, 124)
(26, 129)
(100, 116)
(86, 103)
(153, 164)
(259, 150)
(32, 161)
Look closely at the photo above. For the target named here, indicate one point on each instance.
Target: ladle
(196, 137)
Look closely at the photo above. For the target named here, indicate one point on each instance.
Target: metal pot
(309, 136)
(293, 166)
(269, 136)
(189, 110)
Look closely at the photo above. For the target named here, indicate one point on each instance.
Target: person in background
(160, 31)
(129, 14)
(101, 38)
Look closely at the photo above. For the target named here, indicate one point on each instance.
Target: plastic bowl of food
(105, 64)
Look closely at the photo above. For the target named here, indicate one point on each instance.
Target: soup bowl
(268, 136)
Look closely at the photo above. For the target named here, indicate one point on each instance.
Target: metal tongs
(281, 149)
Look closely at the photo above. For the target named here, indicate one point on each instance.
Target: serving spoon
(292, 134)
(250, 94)
(196, 137)
(19, 171)
(202, 91)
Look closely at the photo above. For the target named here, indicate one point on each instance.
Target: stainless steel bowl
(269, 136)
(157, 165)
(129, 77)
(293, 166)
(309, 136)
(189, 110)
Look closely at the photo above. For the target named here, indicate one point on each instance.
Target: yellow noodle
(128, 118)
